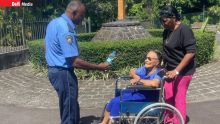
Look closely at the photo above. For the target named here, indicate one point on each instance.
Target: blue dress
(114, 105)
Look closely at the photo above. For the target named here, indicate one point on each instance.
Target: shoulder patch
(69, 39)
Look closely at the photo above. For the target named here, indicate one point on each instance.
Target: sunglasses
(150, 59)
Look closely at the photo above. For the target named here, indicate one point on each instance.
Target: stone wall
(121, 30)
(12, 59)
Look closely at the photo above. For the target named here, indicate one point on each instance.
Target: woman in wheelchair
(145, 75)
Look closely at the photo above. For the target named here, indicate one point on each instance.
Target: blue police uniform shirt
(142, 72)
(61, 43)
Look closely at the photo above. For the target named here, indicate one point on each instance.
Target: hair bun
(169, 11)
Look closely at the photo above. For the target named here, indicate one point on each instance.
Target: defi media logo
(14, 3)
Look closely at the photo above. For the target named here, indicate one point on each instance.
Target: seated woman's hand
(134, 81)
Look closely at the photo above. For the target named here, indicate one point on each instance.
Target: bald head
(75, 10)
(73, 6)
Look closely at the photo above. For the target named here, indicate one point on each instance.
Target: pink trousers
(175, 94)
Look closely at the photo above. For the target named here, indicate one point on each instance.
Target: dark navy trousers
(65, 83)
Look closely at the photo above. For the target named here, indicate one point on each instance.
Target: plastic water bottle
(111, 57)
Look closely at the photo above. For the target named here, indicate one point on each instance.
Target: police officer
(62, 57)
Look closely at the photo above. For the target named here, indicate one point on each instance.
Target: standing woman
(179, 48)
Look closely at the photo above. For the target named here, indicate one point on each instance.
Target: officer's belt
(62, 68)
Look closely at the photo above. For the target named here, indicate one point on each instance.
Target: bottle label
(109, 60)
(111, 57)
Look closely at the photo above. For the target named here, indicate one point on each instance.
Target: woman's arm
(134, 75)
(136, 78)
(151, 83)
(185, 61)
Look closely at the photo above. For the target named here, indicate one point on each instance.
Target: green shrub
(131, 53)
(85, 37)
(156, 32)
(36, 54)
(205, 47)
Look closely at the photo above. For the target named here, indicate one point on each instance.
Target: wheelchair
(149, 111)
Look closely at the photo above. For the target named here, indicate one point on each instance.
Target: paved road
(204, 112)
(199, 113)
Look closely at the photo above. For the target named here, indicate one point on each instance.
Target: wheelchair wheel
(154, 114)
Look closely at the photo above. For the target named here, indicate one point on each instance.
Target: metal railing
(11, 36)
(34, 29)
(15, 34)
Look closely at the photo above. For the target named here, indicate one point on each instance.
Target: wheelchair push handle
(162, 73)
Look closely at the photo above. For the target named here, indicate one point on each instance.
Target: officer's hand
(104, 66)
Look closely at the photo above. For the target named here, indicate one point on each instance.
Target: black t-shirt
(175, 45)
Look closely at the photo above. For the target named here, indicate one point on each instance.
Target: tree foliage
(103, 11)
(149, 9)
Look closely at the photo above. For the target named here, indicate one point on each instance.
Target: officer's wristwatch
(177, 72)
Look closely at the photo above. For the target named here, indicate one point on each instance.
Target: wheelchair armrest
(125, 78)
(142, 87)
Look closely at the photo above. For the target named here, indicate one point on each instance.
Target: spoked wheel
(123, 120)
(154, 114)
(95, 122)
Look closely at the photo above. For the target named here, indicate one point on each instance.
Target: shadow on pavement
(187, 119)
(89, 120)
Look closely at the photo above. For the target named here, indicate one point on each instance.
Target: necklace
(169, 37)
